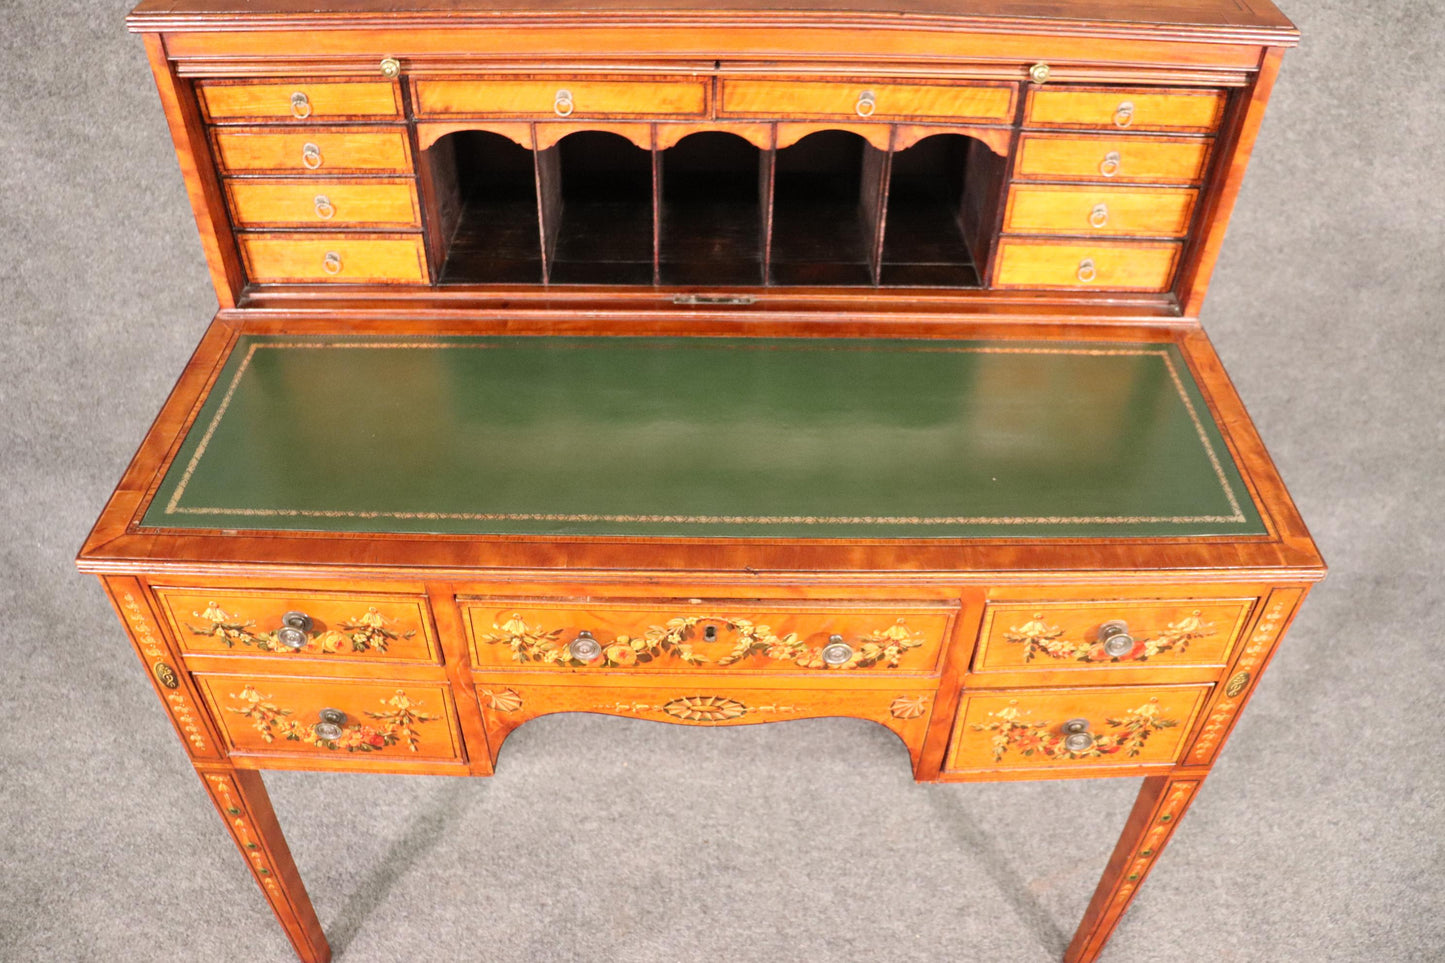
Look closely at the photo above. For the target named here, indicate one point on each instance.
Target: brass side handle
(1115, 636)
(1077, 737)
(331, 263)
(584, 648)
(295, 630)
(1111, 163)
(324, 208)
(563, 104)
(1087, 272)
(867, 104)
(332, 725)
(1099, 216)
(837, 652)
(1124, 114)
(300, 105)
(310, 156)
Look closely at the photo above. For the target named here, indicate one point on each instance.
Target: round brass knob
(1087, 271)
(300, 106)
(295, 630)
(1099, 216)
(1076, 736)
(310, 156)
(563, 104)
(1116, 638)
(867, 104)
(837, 652)
(1124, 114)
(331, 263)
(324, 208)
(1039, 73)
(331, 726)
(584, 648)
(390, 68)
(1111, 163)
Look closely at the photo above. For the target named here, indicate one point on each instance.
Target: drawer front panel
(299, 101)
(379, 721)
(1097, 265)
(1087, 729)
(1122, 160)
(321, 151)
(1046, 636)
(736, 636)
(337, 627)
(1113, 211)
(293, 203)
(1192, 111)
(345, 259)
(868, 101)
(561, 97)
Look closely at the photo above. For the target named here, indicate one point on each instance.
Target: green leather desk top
(712, 437)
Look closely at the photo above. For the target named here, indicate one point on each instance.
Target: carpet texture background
(1317, 839)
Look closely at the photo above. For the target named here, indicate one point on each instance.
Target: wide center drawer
(561, 97)
(985, 103)
(684, 635)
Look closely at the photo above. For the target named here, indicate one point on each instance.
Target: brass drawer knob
(584, 648)
(310, 156)
(1099, 216)
(1111, 163)
(1086, 272)
(324, 209)
(563, 104)
(390, 68)
(1039, 73)
(867, 104)
(1076, 736)
(300, 106)
(837, 652)
(295, 630)
(1124, 114)
(331, 263)
(331, 726)
(1116, 638)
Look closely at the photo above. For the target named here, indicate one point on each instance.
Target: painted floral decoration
(371, 631)
(1038, 637)
(395, 726)
(1126, 735)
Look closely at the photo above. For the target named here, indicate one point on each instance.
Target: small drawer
(1114, 211)
(331, 626)
(1084, 729)
(1123, 108)
(257, 202)
(314, 150)
(338, 258)
(385, 721)
(881, 638)
(561, 97)
(1084, 265)
(1111, 158)
(299, 100)
(1046, 636)
(865, 100)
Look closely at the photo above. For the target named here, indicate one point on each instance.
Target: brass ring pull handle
(1116, 638)
(295, 630)
(1124, 114)
(867, 104)
(1111, 163)
(390, 68)
(584, 648)
(1086, 272)
(300, 106)
(837, 652)
(563, 104)
(331, 263)
(331, 726)
(324, 209)
(310, 156)
(1076, 736)
(1099, 216)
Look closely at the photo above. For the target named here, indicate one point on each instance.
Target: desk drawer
(299, 100)
(339, 258)
(1124, 108)
(1084, 729)
(333, 626)
(314, 150)
(737, 636)
(1082, 265)
(1112, 158)
(862, 99)
(391, 721)
(1046, 636)
(561, 97)
(257, 202)
(1112, 211)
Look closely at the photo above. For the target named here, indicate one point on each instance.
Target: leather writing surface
(738, 437)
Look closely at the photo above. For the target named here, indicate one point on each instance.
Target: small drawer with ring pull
(289, 203)
(561, 97)
(984, 103)
(1125, 108)
(695, 634)
(1121, 160)
(319, 150)
(248, 101)
(351, 722)
(1099, 265)
(338, 258)
(1108, 211)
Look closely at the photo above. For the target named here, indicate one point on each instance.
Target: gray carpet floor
(1318, 838)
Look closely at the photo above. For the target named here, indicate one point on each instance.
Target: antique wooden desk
(713, 366)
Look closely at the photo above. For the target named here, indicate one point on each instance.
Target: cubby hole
(826, 203)
(711, 211)
(486, 206)
(925, 240)
(597, 213)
